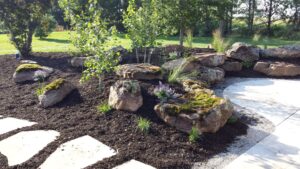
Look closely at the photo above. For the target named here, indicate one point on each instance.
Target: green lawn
(59, 42)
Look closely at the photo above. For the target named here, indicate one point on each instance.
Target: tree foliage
(21, 17)
(91, 33)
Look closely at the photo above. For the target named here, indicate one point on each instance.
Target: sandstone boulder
(31, 72)
(125, 95)
(202, 110)
(139, 71)
(55, 92)
(285, 52)
(243, 52)
(232, 66)
(78, 61)
(211, 75)
(271, 68)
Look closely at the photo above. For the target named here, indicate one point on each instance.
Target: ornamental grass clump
(163, 92)
(143, 125)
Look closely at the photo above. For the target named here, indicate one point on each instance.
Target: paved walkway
(74, 154)
(278, 101)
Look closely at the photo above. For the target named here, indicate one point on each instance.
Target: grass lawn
(59, 42)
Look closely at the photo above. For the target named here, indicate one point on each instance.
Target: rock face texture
(78, 61)
(243, 52)
(125, 95)
(232, 66)
(196, 61)
(55, 92)
(285, 52)
(31, 72)
(139, 71)
(271, 68)
(198, 108)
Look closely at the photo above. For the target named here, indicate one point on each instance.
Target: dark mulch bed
(76, 116)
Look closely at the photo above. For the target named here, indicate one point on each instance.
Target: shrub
(177, 74)
(194, 135)
(46, 26)
(143, 125)
(104, 108)
(163, 92)
(40, 90)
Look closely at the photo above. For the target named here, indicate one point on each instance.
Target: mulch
(163, 147)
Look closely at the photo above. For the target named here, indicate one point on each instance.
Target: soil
(163, 147)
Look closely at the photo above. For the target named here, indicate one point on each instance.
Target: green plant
(143, 125)
(164, 92)
(194, 135)
(104, 108)
(232, 120)
(177, 74)
(21, 17)
(218, 42)
(46, 26)
(40, 90)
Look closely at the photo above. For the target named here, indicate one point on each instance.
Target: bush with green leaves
(194, 135)
(143, 24)
(104, 108)
(143, 125)
(91, 33)
(163, 92)
(21, 18)
(46, 26)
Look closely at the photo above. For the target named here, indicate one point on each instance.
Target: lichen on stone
(197, 102)
(28, 67)
(56, 84)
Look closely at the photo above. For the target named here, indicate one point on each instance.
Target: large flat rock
(9, 124)
(133, 164)
(21, 147)
(78, 154)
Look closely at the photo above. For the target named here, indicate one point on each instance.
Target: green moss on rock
(28, 67)
(199, 102)
(54, 85)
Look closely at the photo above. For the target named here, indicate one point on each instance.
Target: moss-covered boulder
(31, 72)
(126, 95)
(139, 71)
(55, 92)
(200, 109)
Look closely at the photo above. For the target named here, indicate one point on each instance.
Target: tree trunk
(270, 14)
(251, 11)
(145, 55)
(137, 55)
(181, 36)
(221, 27)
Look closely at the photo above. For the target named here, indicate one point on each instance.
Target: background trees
(21, 17)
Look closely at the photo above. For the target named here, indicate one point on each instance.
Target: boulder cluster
(49, 95)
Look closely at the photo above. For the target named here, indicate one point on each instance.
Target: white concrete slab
(272, 98)
(22, 146)
(133, 164)
(278, 101)
(9, 124)
(78, 154)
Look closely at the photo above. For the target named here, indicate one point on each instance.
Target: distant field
(59, 42)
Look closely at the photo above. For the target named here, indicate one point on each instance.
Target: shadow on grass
(56, 40)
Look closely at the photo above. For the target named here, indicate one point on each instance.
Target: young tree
(181, 15)
(91, 33)
(143, 24)
(21, 17)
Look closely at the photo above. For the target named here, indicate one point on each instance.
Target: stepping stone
(133, 164)
(77, 154)
(10, 124)
(22, 146)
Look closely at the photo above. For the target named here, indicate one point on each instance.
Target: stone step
(24, 145)
(133, 164)
(78, 153)
(9, 124)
